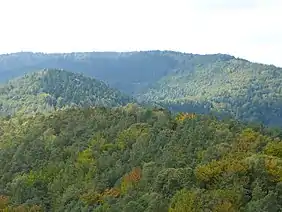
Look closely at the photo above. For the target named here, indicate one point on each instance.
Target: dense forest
(48, 90)
(137, 159)
(219, 84)
(140, 131)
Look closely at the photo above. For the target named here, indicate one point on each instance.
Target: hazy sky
(250, 29)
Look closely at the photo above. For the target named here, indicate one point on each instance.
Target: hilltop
(52, 89)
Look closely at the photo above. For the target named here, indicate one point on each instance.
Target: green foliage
(274, 149)
(185, 201)
(137, 159)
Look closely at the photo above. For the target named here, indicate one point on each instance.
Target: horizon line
(133, 51)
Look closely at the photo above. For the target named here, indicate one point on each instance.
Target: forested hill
(52, 89)
(135, 159)
(215, 83)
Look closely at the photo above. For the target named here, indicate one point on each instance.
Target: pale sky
(250, 29)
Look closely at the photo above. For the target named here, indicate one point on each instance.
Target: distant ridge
(218, 83)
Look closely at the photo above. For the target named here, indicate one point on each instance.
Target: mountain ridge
(217, 83)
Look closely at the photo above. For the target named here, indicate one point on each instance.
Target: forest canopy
(138, 159)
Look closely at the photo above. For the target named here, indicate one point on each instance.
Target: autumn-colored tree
(183, 116)
(4, 200)
(131, 179)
